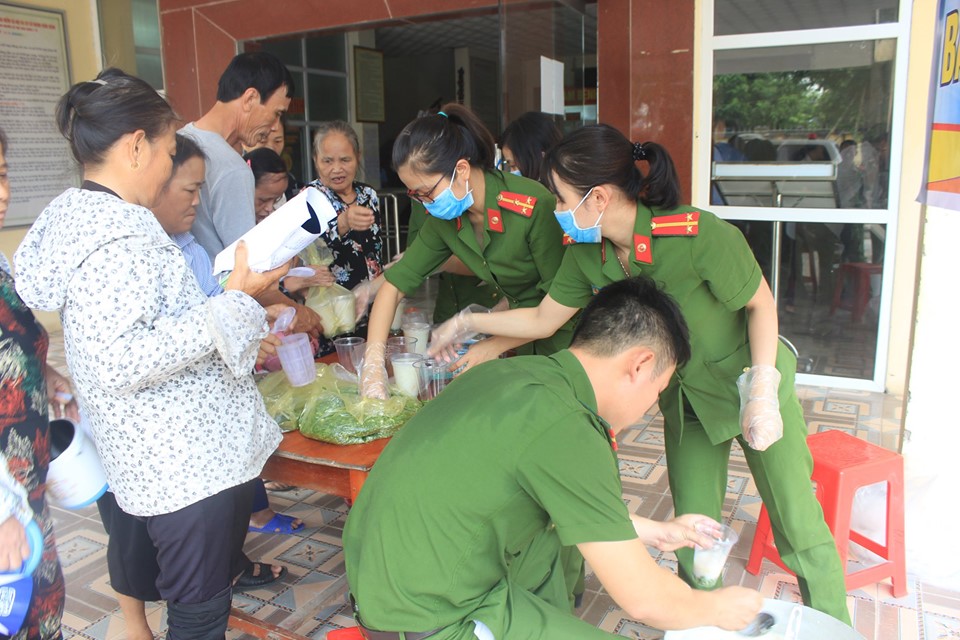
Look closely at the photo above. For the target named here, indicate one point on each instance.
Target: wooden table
(329, 468)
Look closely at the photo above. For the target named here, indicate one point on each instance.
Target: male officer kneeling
(460, 529)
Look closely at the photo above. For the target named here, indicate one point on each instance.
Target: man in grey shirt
(252, 95)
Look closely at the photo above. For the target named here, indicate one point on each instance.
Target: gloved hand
(759, 406)
(373, 375)
(445, 338)
(363, 295)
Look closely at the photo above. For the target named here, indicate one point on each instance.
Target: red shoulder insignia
(517, 202)
(494, 220)
(641, 249)
(568, 240)
(681, 224)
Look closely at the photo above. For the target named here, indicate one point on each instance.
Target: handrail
(390, 207)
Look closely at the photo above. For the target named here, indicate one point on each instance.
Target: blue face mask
(569, 224)
(516, 172)
(447, 206)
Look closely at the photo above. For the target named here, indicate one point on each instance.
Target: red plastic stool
(857, 275)
(842, 464)
(350, 633)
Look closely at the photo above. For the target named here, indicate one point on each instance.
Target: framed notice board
(34, 74)
(368, 81)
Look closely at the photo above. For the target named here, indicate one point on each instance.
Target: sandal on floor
(279, 523)
(273, 485)
(256, 575)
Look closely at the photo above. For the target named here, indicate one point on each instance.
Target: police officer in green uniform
(458, 532)
(455, 291)
(739, 382)
(500, 226)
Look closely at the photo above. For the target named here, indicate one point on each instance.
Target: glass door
(549, 61)
(802, 120)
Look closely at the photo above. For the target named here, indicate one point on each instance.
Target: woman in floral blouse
(356, 244)
(163, 373)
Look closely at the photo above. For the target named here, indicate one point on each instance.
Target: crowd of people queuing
(610, 290)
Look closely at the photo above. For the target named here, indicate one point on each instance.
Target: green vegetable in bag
(354, 420)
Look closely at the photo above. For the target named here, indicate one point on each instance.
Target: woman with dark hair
(28, 386)
(626, 223)
(525, 141)
(356, 245)
(270, 180)
(162, 372)
(499, 225)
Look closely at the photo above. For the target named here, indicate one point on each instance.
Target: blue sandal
(279, 523)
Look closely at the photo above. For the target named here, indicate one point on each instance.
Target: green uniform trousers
(697, 471)
(533, 601)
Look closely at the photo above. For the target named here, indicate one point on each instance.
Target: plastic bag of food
(342, 417)
(285, 403)
(317, 253)
(336, 308)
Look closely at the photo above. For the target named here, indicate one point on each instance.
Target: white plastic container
(75, 477)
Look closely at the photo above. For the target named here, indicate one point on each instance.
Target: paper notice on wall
(551, 86)
(283, 234)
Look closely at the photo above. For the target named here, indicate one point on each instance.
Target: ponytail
(661, 187)
(93, 115)
(599, 154)
(435, 143)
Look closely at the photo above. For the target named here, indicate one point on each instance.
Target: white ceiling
(757, 16)
(526, 32)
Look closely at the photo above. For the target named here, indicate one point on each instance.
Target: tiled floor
(310, 599)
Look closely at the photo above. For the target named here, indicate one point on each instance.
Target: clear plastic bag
(336, 307)
(285, 403)
(330, 409)
(341, 416)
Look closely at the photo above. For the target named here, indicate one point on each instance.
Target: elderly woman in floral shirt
(356, 244)
(162, 372)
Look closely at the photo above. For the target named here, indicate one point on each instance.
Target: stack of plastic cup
(296, 358)
(433, 377)
(398, 344)
(419, 331)
(405, 373)
(350, 353)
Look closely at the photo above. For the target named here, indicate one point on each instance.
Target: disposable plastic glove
(759, 406)
(445, 338)
(363, 295)
(373, 375)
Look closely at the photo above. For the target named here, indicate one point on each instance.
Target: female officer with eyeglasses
(499, 225)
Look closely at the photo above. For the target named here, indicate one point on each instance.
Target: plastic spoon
(760, 625)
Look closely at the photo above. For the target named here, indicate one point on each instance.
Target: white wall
(932, 421)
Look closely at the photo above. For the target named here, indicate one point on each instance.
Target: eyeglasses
(425, 198)
(506, 165)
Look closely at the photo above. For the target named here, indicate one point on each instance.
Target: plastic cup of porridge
(708, 563)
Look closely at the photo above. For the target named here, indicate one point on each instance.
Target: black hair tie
(639, 153)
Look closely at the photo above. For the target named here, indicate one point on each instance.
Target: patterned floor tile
(311, 597)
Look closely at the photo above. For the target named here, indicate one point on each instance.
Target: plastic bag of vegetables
(285, 403)
(336, 308)
(343, 417)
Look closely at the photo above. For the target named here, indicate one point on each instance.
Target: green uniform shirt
(712, 275)
(454, 291)
(467, 484)
(520, 261)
